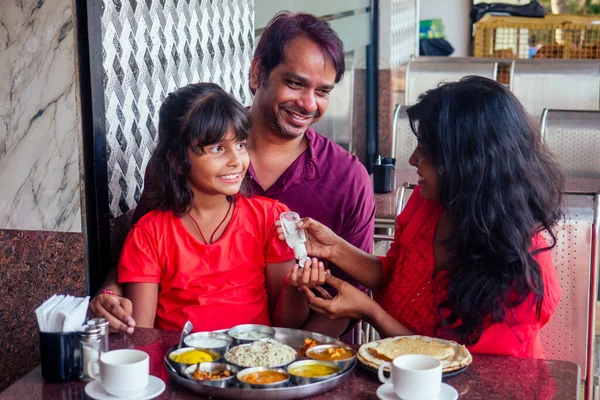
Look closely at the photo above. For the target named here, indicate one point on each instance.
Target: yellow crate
(555, 36)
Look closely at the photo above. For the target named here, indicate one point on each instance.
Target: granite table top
(488, 377)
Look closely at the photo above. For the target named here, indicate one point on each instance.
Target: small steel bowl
(240, 377)
(245, 367)
(213, 367)
(181, 367)
(266, 332)
(342, 364)
(305, 380)
(192, 340)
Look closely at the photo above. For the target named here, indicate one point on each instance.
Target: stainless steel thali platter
(291, 337)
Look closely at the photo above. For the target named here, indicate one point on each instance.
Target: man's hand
(115, 309)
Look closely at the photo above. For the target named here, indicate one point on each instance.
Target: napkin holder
(59, 354)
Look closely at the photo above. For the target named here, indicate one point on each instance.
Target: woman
(468, 261)
(207, 253)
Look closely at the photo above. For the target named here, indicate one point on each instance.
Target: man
(297, 63)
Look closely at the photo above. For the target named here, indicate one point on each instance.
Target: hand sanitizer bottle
(294, 237)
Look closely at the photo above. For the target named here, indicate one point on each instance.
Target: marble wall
(39, 152)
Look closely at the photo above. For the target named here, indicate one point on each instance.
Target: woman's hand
(349, 302)
(313, 274)
(115, 309)
(320, 240)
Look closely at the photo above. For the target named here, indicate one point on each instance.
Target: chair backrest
(574, 139)
(406, 190)
(570, 334)
(423, 75)
(438, 59)
(558, 84)
(404, 143)
(119, 228)
(504, 64)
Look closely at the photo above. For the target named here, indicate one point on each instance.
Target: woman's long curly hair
(499, 186)
(190, 118)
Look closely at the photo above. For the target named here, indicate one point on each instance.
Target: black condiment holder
(384, 174)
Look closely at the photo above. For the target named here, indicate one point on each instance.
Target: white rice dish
(250, 335)
(263, 353)
(206, 342)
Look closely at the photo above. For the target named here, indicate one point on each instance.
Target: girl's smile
(219, 168)
(232, 178)
(427, 173)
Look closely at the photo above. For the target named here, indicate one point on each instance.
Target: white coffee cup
(121, 372)
(414, 376)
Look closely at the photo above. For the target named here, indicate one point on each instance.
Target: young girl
(209, 254)
(468, 261)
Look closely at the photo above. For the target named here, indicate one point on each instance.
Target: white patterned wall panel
(404, 31)
(398, 32)
(152, 47)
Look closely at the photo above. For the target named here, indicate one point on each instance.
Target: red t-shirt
(214, 286)
(412, 296)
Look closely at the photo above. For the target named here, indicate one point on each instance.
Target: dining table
(488, 377)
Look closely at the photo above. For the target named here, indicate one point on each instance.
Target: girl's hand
(313, 274)
(349, 302)
(320, 240)
(115, 309)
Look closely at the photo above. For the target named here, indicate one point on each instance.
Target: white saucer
(155, 387)
(386, 392)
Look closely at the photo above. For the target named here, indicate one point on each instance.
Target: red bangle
(108, 292)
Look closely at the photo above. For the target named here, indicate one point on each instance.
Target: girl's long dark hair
(191, 117)
(499, 186)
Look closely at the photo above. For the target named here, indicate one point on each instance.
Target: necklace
(216, 229)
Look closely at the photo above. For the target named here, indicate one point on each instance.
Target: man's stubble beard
(283, 133)
(286, 134)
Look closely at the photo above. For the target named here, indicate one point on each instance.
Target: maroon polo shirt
(329, 185)
(325, 183)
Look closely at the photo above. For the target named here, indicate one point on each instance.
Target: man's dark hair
(287, 26)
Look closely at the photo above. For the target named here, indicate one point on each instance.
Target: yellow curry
(313, 370)
(192, 357)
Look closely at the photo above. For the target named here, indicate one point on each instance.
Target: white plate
(461, 357)
(155, 387)
(386, 392)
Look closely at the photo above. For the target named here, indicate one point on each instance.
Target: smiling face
(295, 95)
(428, 174)
(221, 169)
